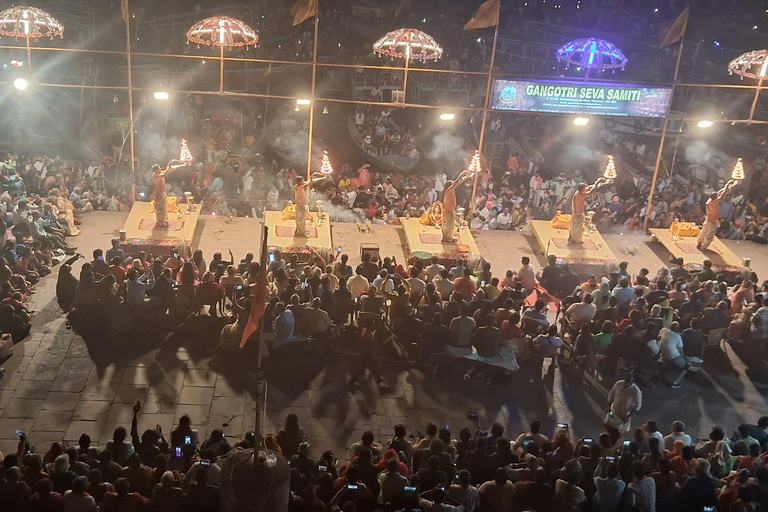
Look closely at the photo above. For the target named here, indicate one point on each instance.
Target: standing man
(713, 216)
(159, 196)
(368, 352)
(440, 180)
(449, 205)
(576, 227)
(301, 196)
(624, 399)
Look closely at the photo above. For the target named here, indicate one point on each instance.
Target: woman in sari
(65, 211)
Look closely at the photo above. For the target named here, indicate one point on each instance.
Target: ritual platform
(723, 259)
(141, 234)
(425, 241)
(591, 256)
(282, 228)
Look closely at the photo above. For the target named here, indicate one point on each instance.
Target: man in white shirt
(581, 312)
(671, 348)
(434, 269)
(677, 434)
(624, 399)
(443, 284)
(504, 219)
(417, 285)
(357, 284)
(383, 280)
(527, 275)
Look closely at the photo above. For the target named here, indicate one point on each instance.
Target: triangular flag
(303, 10)
(269, 70)
(487, 16)
(677, 30)
(259, 294)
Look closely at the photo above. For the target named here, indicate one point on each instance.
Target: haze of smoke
(338, 213)
(156, 148)
(283, 134)
(699, 152)
(579, 154)
(448, 146)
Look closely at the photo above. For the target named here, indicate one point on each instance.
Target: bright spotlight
(20, 84)
(705, 123)
(581, 121)
(161, 95)
(303, 102)
(447, 116)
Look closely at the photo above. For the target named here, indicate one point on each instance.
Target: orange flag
(487, 16)
(303, 10)
(259, 294)
(677, 30)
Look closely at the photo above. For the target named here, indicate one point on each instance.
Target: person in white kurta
(624, 399)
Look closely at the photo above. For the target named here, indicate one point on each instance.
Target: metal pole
(259, 378)
(130, 109)
(754, 102)
(221, 72)
(664, 136)
(266, 108)
(312, 98)
(485, 117)
(29, 54)
(405, 78)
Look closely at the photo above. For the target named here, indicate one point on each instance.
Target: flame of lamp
(222, 31)
(325, 166)
(610, 169)
(738, 171)
(29, 22)
(474, 165)
(185, 155)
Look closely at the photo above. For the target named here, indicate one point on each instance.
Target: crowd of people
(477, 470)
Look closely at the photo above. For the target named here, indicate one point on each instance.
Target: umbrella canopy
(592, 53)
(29, 22)
(752, 64)
(408, 43)
(222, 31)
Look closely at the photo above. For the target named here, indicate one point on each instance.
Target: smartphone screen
(352, 487)
(626, 443)
(178, 452)
(187, 440)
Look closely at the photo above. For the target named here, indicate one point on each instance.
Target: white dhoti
(576, 229)
(301, 220)
(449, 219)
(161, 211)
(707, 234)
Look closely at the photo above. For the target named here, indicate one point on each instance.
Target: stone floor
(57, 387)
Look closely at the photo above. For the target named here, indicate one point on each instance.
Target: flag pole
(663, 135)
(266, 107)
(259, 350)
(126, 18)
(312, 98)
(754, 102)
(485, 116)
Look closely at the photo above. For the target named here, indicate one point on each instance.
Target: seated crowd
(436, 472)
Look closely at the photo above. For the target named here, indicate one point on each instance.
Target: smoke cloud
(448, 146)
(285, 136)
(699, 152)
(153, 147)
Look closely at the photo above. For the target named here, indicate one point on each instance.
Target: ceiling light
(581, 121)
(303, 102)
(296, 108)
(447, 116)
(705, 123)
(161, 95)
(20, 84)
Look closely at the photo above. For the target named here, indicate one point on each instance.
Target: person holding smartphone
(610, 487)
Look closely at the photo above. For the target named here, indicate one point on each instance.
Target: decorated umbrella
(753, 65)
(222, 31)
(408, 44)
(29, 23)
(592, 53)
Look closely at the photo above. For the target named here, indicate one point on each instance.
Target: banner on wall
(620, 100)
